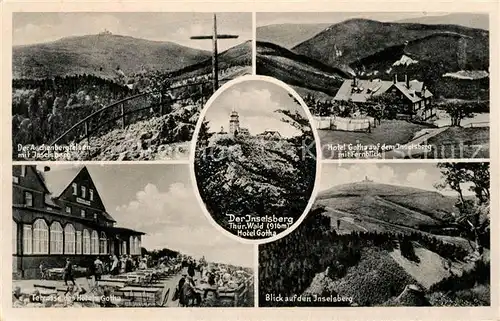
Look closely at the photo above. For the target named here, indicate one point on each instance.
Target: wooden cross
(215, 63)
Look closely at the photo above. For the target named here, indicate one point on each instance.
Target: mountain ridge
(371, 37)
(100, 55)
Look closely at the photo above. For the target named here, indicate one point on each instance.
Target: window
(14, 237)
(56, 238)
(27, 239)
(82, 213)
(94, 242)
(84, 192)
(69, 239)
(28, 199)
(15, 179)
(23, 170)
(131, 245)
(124, 247)
(78, 242)
(40, 237)
(103, 244)
(68, 209)
(75, 188)
(86, 242)
(137, 246)
(95, 216)
(91, 194)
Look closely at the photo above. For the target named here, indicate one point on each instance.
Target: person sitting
(16, 297)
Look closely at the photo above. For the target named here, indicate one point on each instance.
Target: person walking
(68, 272)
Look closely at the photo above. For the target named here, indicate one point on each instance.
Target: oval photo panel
(255, 161)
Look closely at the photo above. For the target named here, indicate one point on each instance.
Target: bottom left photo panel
(128, 235)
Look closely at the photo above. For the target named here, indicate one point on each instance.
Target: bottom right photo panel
(386, 234)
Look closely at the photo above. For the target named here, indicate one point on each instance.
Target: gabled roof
(58, 180)
(272, 132)
(368, 88)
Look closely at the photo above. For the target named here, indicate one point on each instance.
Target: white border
(192, 154)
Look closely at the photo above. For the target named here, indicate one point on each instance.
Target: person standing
(99, 269)
(114, 265)
(68, 272)
(191, 269)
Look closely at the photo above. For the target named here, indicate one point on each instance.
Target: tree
(386, 105)
(473, 214)
(457, 111)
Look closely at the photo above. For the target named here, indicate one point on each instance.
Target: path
(349, 219)
(408, 149)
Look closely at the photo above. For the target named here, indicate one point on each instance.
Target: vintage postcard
(250, 161)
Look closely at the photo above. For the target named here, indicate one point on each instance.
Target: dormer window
(75, 188)
(84, 192)
(28, 199)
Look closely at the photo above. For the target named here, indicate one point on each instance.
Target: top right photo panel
(405, 85)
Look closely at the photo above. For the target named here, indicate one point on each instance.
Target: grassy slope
(240, 55)
(297, 70)
(385, 208)
(389, 132)
(373, 36)
(431, 267)
(88, 54)
(457, 142)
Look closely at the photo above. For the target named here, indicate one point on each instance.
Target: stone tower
(234, 123)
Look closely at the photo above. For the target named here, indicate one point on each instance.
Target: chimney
(395, 80)
(355, 81)
(407, 81)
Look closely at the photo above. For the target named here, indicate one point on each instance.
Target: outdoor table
(125, 277)
(112, 283)
(150, 296)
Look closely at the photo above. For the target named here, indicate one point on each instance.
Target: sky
(256, 102)
(418, 175)
(158, 199)
(39, 27)
(268, 18)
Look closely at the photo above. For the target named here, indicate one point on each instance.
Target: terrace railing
(134, 108)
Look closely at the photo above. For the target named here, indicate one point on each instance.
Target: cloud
(174, 219)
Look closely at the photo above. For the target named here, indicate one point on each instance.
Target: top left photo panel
(119, 86)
